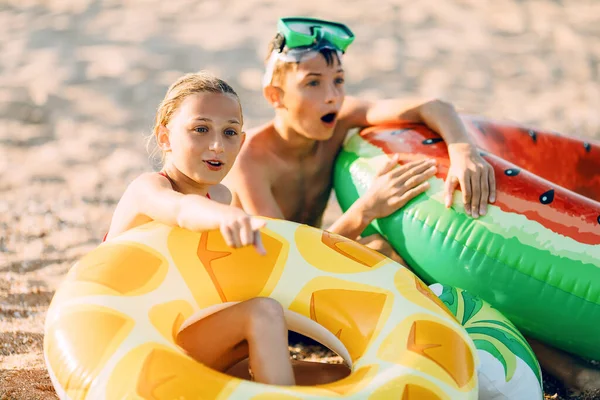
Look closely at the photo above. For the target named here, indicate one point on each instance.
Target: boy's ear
(162, 138)
(274, 96)
(243, 135)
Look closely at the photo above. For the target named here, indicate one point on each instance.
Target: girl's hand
(240, 229)
(475, 176)
(394, 186)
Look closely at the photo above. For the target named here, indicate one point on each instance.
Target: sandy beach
(80, 81)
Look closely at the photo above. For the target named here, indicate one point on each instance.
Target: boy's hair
(281, 68)
(199, 82)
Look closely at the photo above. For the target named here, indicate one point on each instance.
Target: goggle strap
(270, 68)
(279, 42)
(276, 55)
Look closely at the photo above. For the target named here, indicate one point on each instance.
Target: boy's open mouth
(328, 118)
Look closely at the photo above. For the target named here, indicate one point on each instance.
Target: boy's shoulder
(256, 145)
(254, 154)
(353, 112)
(352, 115)
(252, 161)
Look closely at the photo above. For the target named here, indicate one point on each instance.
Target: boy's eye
(230, 132)
(313, 83)
(201, 129)
(339, 81)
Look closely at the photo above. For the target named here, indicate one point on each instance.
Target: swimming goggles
(304, 38)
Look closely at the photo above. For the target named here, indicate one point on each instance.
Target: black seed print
(533, 135)
(399, 131)
(599, 219)
(547, 197)
(482, 154)
(512, 171)
(433, 141)
(587, 147)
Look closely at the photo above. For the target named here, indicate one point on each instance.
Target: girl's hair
(199, 82)
(281, 67)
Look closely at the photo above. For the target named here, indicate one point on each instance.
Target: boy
(284, 171)
(285, 167)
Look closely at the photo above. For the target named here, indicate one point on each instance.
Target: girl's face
(312, 96)
(205, 136)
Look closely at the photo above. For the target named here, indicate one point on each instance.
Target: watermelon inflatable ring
(535, 256)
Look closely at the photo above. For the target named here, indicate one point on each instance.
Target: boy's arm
(392, 188)
(353, 222)
(249, 181)
(467, 167)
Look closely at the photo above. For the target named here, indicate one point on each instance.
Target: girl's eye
(339, 81)
(230, 132)
(201, 129)
(313, 83)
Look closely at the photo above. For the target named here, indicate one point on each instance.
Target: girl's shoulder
(152, 178)
(146, 183)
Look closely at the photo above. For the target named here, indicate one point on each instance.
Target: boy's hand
(394, 187)
(240, 229)
(475, 176)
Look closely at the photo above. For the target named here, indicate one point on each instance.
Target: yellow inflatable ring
(111, 327)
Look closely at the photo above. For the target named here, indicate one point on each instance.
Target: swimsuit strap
(163, 173)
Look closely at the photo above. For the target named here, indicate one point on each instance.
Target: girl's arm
(151, 195)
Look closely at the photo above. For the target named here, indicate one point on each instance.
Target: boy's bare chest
(302, 189)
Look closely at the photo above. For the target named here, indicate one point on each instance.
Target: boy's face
(312, 95)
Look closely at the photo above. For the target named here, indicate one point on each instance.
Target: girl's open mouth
(214, 165)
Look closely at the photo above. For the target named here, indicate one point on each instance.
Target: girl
(199, 132)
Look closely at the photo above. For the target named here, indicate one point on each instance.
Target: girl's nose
(216, 144)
